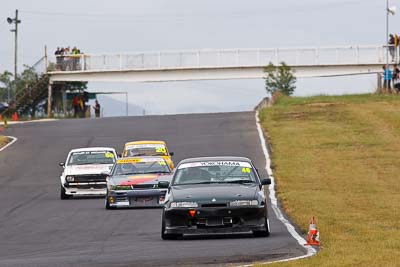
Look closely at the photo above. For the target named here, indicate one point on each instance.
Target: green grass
(337, 157)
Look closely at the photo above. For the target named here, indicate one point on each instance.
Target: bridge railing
(208, 58)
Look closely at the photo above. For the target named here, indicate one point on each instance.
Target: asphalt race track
(39, 229)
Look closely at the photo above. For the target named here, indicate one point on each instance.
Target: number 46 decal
(246, 170)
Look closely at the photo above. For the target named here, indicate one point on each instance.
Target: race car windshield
(214, 172)
(91, 157)
(131, 168)
(145, 150)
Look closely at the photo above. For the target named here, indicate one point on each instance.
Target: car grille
(90, 186)
(90, 178)
(143, 186)
(214, 205)
(144, 201)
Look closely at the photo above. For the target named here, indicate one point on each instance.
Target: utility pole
(16, 21)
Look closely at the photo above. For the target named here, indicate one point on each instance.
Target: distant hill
(112, 107)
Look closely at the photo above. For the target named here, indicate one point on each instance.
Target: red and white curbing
(274, 203)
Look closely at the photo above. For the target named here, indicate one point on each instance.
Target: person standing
(97, 109)
(395, 78)
(75, 104)
(82, 106)
(58, 58)
(387, 78)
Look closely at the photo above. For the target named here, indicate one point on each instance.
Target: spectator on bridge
(75, 58)
(387, 78)
(59, 58)
(97, 109)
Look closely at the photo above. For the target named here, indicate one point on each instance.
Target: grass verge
(337, 157)
(3, 141)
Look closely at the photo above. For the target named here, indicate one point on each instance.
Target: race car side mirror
(266, 181)
(163, 184)
(62, 164)
(171, 153)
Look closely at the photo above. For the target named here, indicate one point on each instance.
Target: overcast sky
(130, 25)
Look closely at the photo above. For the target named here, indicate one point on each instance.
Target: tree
(279, 79)
(5, 84)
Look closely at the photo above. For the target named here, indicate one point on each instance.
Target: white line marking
(274, 201)
(32, 121)
(14, 139)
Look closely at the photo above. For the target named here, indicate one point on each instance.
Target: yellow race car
(148, 148)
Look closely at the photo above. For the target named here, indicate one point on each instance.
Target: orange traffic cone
(15, 117)
(313, 234)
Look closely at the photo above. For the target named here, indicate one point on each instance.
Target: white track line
(14, 139)
(274, 201)
(32, 121)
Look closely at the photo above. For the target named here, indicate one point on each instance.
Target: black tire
(262, 233)
(165, 236)
(107, 203)
(63, 195)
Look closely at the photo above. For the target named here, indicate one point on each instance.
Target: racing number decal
(109, 155)
(161, 150)
(162, 163)
(246, 170)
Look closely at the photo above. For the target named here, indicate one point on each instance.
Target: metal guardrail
(207, 58)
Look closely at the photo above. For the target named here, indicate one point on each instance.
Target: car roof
(144, 142)
(91, 149)
(219, 158)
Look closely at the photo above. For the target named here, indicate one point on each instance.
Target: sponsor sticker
(217, 163)
(140, 160)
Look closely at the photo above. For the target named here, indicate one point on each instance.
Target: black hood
(220, 192)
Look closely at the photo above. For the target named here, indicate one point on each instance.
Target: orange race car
(148, 148)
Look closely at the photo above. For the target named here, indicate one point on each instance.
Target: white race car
(85, 171)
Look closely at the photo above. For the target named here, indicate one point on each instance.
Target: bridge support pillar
(49, 98)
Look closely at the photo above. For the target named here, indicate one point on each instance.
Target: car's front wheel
(264, 233)
(63, 195)
(107, 203)
(165, 236)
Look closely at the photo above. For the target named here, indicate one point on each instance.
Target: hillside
(338, 158)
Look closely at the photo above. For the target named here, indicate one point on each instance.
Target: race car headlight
(237, 203)
(184, 205)
(69, 178)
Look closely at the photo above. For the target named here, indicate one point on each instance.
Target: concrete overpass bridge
(210, 64)
(214, 64)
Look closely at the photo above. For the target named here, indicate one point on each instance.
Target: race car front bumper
(215, 220)
(88, 188)
(136, 198)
